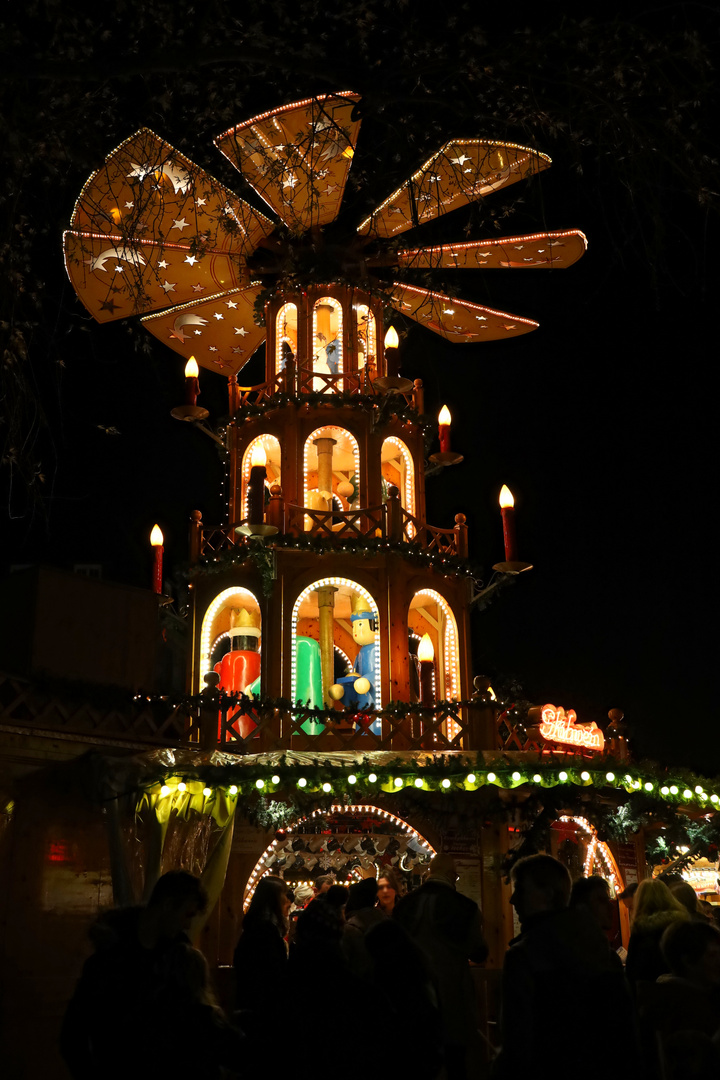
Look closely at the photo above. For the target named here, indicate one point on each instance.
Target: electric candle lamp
(426, 656)
(507, 509)
(156, 540)
(444, 421)
(192, 384)
(391, 338)
(256, 485)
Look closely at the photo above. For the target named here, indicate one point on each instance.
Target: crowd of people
(352, 977)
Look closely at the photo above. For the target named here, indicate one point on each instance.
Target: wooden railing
(303, 381)
(444, 727)
(28, 708)
(430, 538)
(338, 524)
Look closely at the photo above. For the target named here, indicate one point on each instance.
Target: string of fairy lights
(325, 778)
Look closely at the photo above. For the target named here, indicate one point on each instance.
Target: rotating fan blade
(115, 277)
(457, 320)
(459, 173)
(149, 208)
(549, 250)
(298, 157)
(218, 331)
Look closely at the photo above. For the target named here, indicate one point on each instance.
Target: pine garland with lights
(366, 546)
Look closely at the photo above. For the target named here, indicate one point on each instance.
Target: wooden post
(325, 465)
(289, 376)
(419, 395)
(231, 442)
(195, 535)
(393, 507)
(461, 536)
(276, 508)
(326, 618)
(209, 712)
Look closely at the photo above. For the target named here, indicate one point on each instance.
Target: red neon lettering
(560, 726)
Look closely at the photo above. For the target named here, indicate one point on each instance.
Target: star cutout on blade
(129, 205)
(460, 160)
(191, 260)
(108, 305)
(180, 224)
(168, 287)
(200, 202)
(119, 269)
(231, 304)
(198, 288)
(217, 315)
(290, 182)
(178, 334)
(162, 265)
(241, 331)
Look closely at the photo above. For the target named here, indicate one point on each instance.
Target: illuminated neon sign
(560, 726)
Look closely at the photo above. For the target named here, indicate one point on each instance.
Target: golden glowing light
(258, 456)
(116, 214)
(156, 536)
(425, 648)
(506, 497)
(191, 369)
(391, 339)
(444, 416)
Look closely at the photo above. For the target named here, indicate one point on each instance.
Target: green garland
(384, 407)
(368, 546)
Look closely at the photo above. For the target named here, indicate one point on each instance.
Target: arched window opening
(327, 331)
(366, 336)
(271, 446)
(286, 330)
(398, 470)
(230, 644)
(331, 471)
(302, 835)
(335, 615)
(431, 615)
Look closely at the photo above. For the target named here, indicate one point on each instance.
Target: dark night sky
(600, 422)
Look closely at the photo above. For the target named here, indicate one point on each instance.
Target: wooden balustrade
(338, 524)
(387, 521)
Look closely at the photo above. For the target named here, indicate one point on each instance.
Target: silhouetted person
(448, 928)
(361, 915)
(260, 958)
(560, 960)
(403, 993)
(318, 973)
(682, 1009)
(592, 894)
(655, 908)
(112, 1020)
(197, 1039)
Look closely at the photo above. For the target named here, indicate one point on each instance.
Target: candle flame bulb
(506, 497)
(156, 536)
(391, 339)
(425, 648)
(444, 416)
(191, 369)
(258, 456)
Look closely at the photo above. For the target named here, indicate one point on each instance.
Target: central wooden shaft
(324, 448)
(326, 620)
